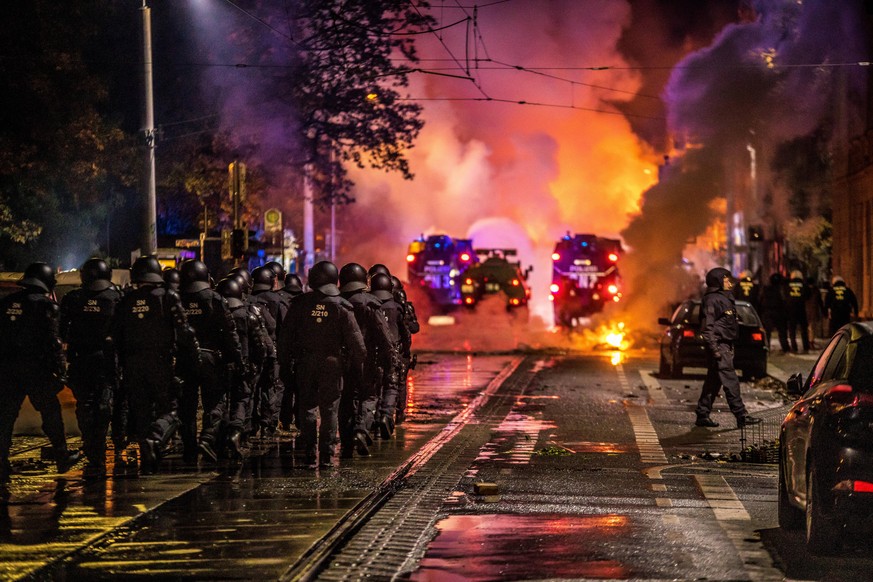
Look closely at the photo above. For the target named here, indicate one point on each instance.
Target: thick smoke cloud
(546, 170)
(752, 86)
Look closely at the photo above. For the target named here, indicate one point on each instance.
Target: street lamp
(149, 242)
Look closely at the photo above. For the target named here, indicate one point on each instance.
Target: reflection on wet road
(240, 522)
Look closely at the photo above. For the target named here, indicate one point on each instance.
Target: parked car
(682, 346)
(826, 443)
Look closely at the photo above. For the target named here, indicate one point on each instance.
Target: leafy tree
(61, 157)
(343, 86)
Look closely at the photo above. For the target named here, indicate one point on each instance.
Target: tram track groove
(378, 537)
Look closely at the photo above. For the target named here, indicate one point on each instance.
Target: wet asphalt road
(598, 473)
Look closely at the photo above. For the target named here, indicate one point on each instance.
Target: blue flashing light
(437, 245)
(584, 244)
(261, 254)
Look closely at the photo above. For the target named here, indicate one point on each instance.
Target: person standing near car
(86, 321)
(32, 364)
(773, 313)
(719, 329)
(841, 304)
(796, 305)
(747, 290)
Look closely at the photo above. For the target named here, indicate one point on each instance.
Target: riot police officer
(244, 278)
(86, 325)
(773, 311)
(407, 360)
(381, 287)
(268, 393)
(32, 364)
(322, 341)
(747, 290)
(172, 278)
(257, 351)
(719, 328)
(291, 292)
(798, 293)
(841, 304)
(149, 329)
(360, 393)
(221, 361)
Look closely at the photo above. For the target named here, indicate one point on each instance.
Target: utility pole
(149, 241)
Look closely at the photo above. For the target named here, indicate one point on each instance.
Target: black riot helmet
(263, 279)
(96, 275)
(241, 281)
(146, 270)
(194, 276)
(352, 277)
(38, 275)
(378, 268)
(715, 277)
(172, 278)
(277, 268)
(396, 283)
(293, 284)
(230, 289)
(246, 278)
(380, 286)
(323, 278)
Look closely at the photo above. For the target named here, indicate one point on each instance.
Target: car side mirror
(795, 385)
(663, 321)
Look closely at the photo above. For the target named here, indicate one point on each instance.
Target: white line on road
(656, 392)
(721, 498)
(647, 439)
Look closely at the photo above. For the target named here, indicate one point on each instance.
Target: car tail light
(613, 257)
(556, 256)
(410, 257)
(854, 486)
(516, 282)
(757, 336)
(554, 287)
(688, 333)
(465, 257)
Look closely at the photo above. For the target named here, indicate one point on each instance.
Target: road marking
(656, 392)
(647, 439)
(721, 498)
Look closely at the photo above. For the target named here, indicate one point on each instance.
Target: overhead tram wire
(533, 104)
(453, 57)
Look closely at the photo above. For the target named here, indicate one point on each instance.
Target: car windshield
(689, 314)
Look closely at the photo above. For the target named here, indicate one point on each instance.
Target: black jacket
(719, 323)
(30, 333)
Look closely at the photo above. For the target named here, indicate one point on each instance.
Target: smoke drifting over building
(581, 153)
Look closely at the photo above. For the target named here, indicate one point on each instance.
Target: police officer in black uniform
(322, 340)
(172, 278)
(798, 293)
(257, 350)
(221, 361)
(32, 364)
(773, 311)
(382, 288)
(149, 331)
(407, 361)
(748, 290)
(841, 304)
(719, 328)
(268, 393)
(291, 292)
(86, 326)
(360, 392)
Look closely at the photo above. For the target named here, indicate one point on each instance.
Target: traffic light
(239, 242)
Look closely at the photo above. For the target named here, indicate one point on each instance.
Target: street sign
(273, 220)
